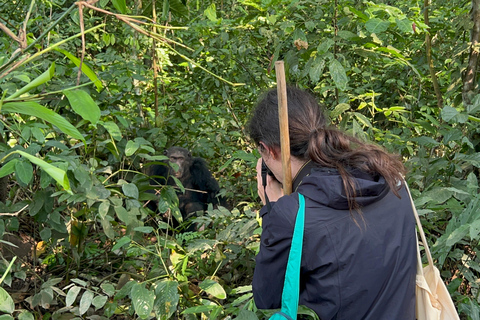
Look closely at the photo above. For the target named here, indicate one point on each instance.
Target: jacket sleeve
(271, 261)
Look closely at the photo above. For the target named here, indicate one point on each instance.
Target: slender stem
(82, 31)
(154, 64)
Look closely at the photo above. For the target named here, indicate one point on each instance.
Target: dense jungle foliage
(92, 92)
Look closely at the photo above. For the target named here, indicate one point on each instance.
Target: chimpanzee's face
(182, 158)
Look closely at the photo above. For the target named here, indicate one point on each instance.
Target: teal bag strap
(291, 286)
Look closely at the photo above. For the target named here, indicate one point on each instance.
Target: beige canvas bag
(433, 301)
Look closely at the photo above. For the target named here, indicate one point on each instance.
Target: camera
(265, 171)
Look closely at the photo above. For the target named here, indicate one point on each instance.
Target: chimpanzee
(200, 186)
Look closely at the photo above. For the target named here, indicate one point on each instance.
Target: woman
(359, 248)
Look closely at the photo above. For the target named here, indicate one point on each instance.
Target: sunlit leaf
(211, 12)
(36, 110)
(214, 288)
(85, 68)
(41, 79)
(56, 173)
(376, 25)
(131, 147)
(112, 129)
(83, 104)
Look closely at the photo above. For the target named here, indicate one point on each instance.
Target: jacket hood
(325, 186)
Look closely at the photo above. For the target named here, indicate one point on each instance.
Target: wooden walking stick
(283, 119)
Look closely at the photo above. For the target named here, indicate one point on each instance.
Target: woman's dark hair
(313, 138)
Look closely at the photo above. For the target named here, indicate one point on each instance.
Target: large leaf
(142, 300)
(112, 129)
(83, 104)
(56, 173)
(72, 295)
(167, 298)
(339, 76)
(36, 110)
(6, 302)
(85, 68)
(8, 168)
(214, 288)
(85, 301)
(376, 25)
(24, 171)
(41, 79)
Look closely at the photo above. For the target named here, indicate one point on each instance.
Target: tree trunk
(469, 75)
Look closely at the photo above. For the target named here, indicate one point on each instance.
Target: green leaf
(214, 288)
(457, 235)
(377, 25)
(339, 109)
(448, 113)
(120, 5)
(199, 309)
(123, 215)
(99, 301)
(120, 243)
(46, 234)
(36, 110)
(6, 302)
(142, 300)
(107, 228)
(83, 104)
(316, 69)
(167, 298)
(131, 147)
(247, 315)
(338, 74)
(474, 229)
(85, 68)
(56, 173)
(85, 302)
(72, 295)
(130, 190)
(211, 12)
(25, 315)
(108, 288)
(8, 168)
(41, 79)
(405, 25)
(24, 171)
(112, 129)
(146, 230)
(103, 209)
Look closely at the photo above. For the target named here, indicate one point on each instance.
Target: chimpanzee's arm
(203, 179)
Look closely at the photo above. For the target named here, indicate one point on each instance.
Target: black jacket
(353, 267)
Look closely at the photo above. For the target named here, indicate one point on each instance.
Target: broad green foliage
(78, 129)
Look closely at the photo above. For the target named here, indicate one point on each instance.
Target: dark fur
(196, 176)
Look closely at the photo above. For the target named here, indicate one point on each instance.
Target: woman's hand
(274, 188)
